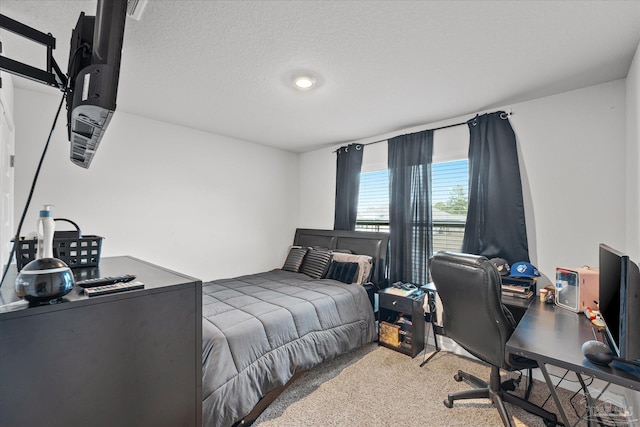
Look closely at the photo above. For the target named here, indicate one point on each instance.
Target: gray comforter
(259, 330)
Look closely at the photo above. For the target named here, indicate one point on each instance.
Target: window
(373, 201)
(449, 195)
(449, 198)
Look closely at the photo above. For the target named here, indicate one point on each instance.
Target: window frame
(451, 144)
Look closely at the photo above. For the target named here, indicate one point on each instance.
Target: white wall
(633, 158)
(201, 204)
(633, 180)
(572, 162)
(317, 189)
(572, 151)
(6, 92)
(7, 149)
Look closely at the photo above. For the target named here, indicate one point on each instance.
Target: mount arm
(52, 76)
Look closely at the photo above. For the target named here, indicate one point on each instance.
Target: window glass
(373, 201)
(449, 196)
(449, 199)
(449, 192)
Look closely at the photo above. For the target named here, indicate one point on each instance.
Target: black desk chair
(474, 317)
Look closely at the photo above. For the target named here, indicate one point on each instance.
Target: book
(525, 295)
(516, 289)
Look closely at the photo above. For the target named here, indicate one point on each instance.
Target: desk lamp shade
(44, 279)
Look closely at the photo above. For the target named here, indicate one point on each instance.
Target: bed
(261, 331)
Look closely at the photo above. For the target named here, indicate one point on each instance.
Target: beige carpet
(375, 386)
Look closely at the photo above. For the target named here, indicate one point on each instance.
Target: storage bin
(71, 247)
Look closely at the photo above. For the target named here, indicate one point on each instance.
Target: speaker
(577, 288)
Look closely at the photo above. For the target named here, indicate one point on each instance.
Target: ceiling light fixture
(305, 82)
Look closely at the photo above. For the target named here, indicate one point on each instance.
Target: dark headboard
(358, 242)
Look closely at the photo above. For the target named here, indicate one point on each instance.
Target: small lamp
(45, 278)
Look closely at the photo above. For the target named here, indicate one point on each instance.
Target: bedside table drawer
(396, 303)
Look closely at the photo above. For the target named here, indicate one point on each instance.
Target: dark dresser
(127, 359)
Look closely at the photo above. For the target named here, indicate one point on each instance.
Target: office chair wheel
(549, 423)
(448, 403)
(458, 378)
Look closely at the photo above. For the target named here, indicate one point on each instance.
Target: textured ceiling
(225, 67)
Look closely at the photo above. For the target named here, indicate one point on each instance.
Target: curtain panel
(348, 166)
(495, 220)
(409, 162)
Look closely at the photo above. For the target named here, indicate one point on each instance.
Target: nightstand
(401, 322)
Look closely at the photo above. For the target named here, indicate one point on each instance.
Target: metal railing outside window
(447, 236)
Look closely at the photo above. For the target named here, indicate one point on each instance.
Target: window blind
(449, 195)
(373, 201)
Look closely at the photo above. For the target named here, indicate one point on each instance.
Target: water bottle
(46, 228)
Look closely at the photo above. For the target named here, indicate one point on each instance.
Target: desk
(517, 306)
(554, 336)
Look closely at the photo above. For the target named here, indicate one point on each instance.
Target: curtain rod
(440, 128)
(506, 115)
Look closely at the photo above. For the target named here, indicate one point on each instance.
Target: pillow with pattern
(294, 259)
(365, 264)
(346, 272)
(315, 263)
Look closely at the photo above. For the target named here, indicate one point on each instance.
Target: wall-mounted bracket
(52, 76)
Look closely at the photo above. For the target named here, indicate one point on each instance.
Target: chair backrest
(469, 287)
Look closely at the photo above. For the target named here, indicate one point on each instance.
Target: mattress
(259, 330)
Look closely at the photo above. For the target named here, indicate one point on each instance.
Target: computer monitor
(619, 301)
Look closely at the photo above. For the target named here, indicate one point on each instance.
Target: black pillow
(346, 272)
(294, 259)
(315, 263)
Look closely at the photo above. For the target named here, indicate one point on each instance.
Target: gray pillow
(294, 259)
(316, 263)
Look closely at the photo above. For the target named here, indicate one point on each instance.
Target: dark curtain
(409, 164)
(349, 163)
(495, 219)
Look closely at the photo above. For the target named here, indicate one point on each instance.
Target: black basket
(71, 247)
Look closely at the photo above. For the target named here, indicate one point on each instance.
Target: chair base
(498, 396)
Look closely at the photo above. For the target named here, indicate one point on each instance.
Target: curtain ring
(346, 149)
(504, 116)
(358, 147)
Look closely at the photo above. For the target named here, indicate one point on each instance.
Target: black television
(93, 73)
(619, 302)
